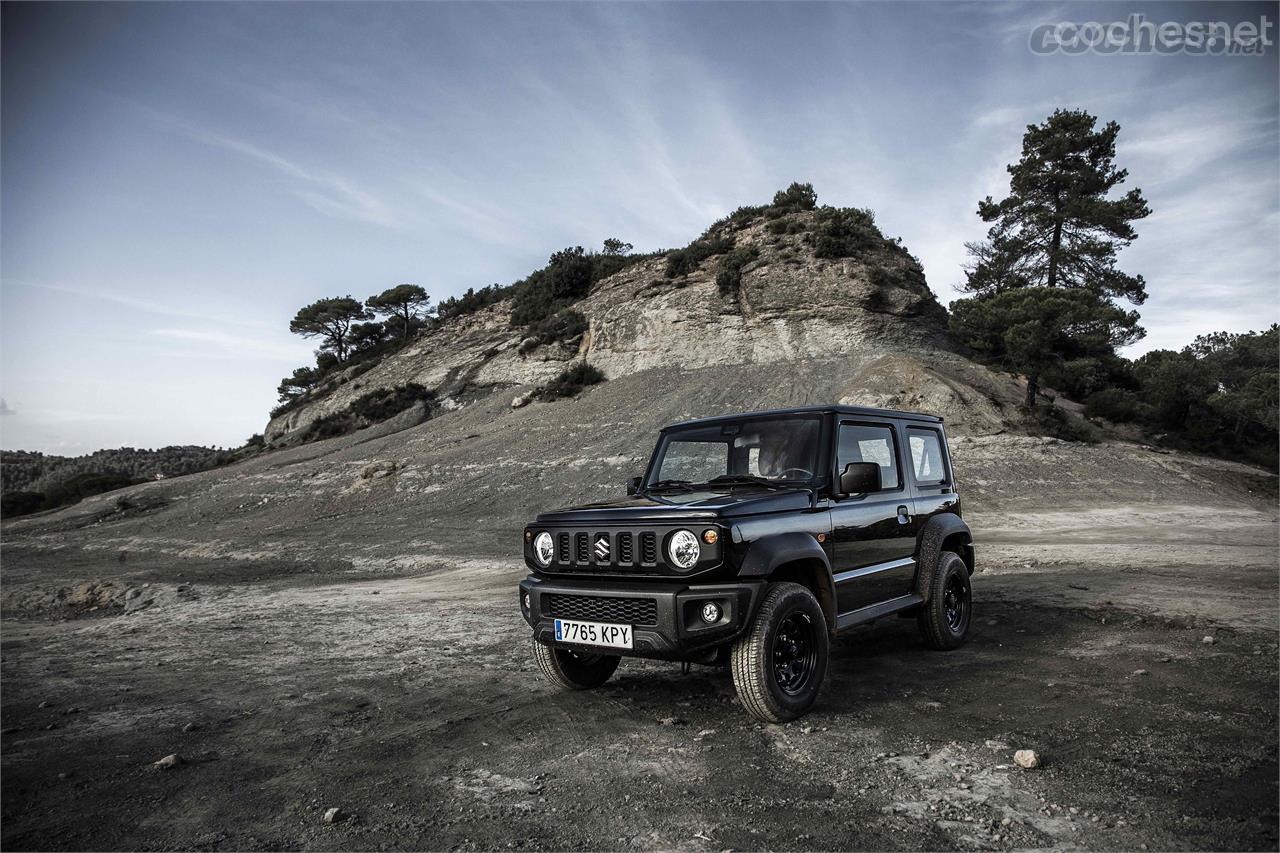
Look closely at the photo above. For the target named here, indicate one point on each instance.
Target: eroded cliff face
(789, 307)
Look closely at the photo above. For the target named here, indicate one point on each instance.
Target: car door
(873, 535)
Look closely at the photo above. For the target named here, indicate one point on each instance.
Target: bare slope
(462, 484)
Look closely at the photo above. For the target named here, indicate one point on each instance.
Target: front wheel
(573, 670)
(779, 664)
(944, 620)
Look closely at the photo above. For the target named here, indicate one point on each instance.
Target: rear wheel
(571, 669)
(780, 663)
(944, 620)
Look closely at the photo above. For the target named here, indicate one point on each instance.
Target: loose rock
(168, 762)
(1209, 641)
(334, 815)
(1027, 759)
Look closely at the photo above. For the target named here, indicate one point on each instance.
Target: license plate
(594, 633)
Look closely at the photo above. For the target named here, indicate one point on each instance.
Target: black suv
(753, 540)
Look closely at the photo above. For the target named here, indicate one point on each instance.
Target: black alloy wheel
(795, 655)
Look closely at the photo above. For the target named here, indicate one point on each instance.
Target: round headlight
(683, 549)
(544, 549)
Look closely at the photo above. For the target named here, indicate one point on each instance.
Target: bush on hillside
(1118, 405)
(471, 301)
(14, 504)
(568, 276)
(729, 278)
(684, 261)
(571, 381)
(566, 326)
(368, 409)
(845, 232)
(796, 197)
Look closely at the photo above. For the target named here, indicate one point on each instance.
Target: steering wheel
(805, 473)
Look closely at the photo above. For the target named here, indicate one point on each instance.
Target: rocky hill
(870, 315)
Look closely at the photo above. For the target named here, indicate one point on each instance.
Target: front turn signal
(710, 536)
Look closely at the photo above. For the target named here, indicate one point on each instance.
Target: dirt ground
(410, 702)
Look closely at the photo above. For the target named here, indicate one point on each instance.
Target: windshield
(766, 451)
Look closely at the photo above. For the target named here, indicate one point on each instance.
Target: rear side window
(927, 462)
(861, 443)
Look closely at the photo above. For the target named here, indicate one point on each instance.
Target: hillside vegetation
(35, 481)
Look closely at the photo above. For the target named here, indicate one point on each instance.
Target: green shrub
(885, 277)
(567, 326)
(684, 261)
(798, 196)
(845, 232)
(20, 503)
(568, 276)
(383, 403)
(471, 301)
(368, 409)
(729, 278)
(571, 381)
(80, 486)
(1117, 405)
(1056, 422)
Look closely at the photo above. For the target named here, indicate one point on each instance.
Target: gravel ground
(410, 703)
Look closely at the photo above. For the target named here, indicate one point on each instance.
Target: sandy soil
(410, 703)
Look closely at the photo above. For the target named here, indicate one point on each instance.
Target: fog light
(710, 612)
(528, 602)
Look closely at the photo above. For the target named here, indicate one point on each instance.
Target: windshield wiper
(670, 484)
(742, 480)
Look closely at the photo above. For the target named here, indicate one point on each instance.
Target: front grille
(597, 608)
(608, 551)
(648, 549)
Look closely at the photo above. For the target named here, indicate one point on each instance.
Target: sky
(177, 179)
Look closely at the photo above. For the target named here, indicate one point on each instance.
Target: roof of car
(858, 411)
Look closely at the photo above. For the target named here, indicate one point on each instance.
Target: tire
(944, 619)
(573, 670)
(775, 683)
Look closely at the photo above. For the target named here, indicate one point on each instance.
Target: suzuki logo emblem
(602, 546)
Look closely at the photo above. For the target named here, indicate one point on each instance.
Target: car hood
(677, 506)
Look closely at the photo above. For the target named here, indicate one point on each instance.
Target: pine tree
(1058, 230)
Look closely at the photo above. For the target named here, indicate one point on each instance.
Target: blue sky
(177, 179)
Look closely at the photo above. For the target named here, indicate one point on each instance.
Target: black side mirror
(633, 486)
(860, 478)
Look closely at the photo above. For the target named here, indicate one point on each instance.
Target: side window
(927, 462)
(860, 443)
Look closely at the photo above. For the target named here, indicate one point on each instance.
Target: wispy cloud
(328, 193)
(238, 346)
(146, 306)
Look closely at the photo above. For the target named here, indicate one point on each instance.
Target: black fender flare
(766, 555)
(929, 546)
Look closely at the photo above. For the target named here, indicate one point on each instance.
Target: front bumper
(666, 618)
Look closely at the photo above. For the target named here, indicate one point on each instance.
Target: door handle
(903, 516)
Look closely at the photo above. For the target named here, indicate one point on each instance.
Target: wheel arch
(798, 558)
(946, 532)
